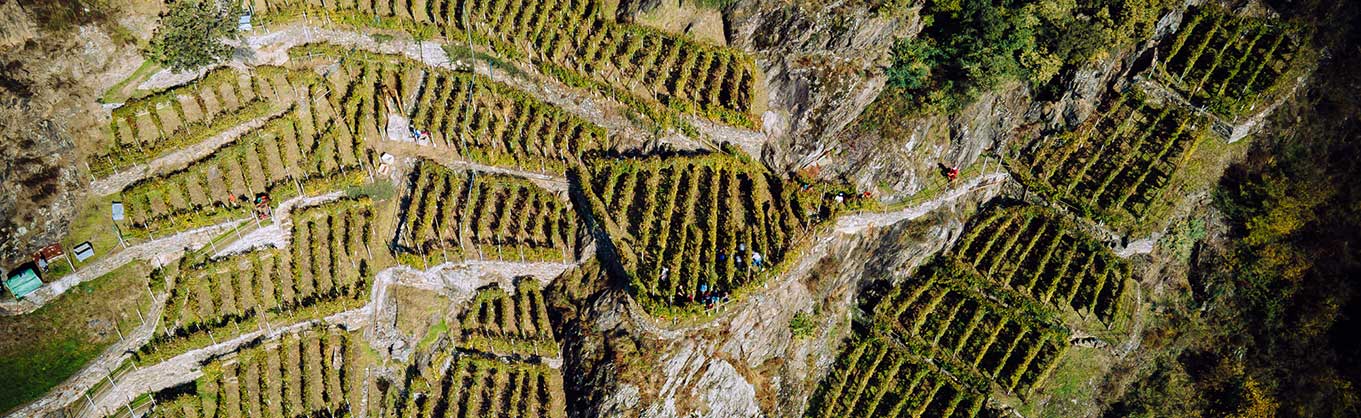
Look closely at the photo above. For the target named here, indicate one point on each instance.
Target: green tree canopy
(192, 32)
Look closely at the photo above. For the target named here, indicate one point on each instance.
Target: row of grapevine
(1038, 253)
(989, 336)
(576, 34)
(495, 215)
(1226, 61)
(1119, 163)
(492, 123)
(299, 375)
(500, 125)
(325, 270)
(298, 152)
(509, 324)
(145, 128)
(474, 386)
(878, 377)
(692, 229)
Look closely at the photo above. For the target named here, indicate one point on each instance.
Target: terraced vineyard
(145, 128)
(576, 34)
(1118, 163)
(474, 386)
(500, 125)
(496, 216)
(301, 152)
(509, 324)
(1227, 61)
(952, 318)
(312, 373)
(878, 377)
(1040, 254)
(492, 124)
(691, 227)
(325, 270)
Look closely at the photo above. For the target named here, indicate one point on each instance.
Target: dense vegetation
(1271, 328)
(192, 32)
(970, 47)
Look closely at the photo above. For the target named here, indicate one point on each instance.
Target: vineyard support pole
(115, 328)
(139, 315)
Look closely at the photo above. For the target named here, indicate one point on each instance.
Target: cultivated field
(145, 128)
(326, 269)
(301, 152)
(509, 324)
(466, 215)
(1039, 253)
(1116, 164)
(313, 373)
(573, 38)
(691, 228)
(1227, 62)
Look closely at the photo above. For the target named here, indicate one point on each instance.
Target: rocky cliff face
(822, 66)
(746, 362)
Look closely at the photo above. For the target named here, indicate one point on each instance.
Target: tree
(192, 32)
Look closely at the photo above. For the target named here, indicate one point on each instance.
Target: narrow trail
(162, 250)
(115, 183)
(845, 225)
(276, 234)
(853, 224)
(450, 159)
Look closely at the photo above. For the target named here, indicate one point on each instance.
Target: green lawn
(41, 349)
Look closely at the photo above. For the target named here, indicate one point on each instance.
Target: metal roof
(23, 283)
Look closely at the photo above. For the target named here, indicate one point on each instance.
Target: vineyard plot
(509, 324)
(1226, 62)
(947, 316)
(299, 375)
(691, 230)
(576, 35)
(497, 125)
(467, 215)
(475, 386)
(1118, 163)
(148, 127)
(299, 152)
(1038, 253)
(484, 121)
(325, 270)
(877, 377)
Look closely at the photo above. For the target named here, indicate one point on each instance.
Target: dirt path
(161, 250)
(448, 158)
(853, 224)
(277, 233)
(115, 183)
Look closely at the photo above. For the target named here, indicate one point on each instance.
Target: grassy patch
(1071, 390)
(127, 88)
(44, 348)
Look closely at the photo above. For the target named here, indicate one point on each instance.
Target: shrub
(191, 33)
